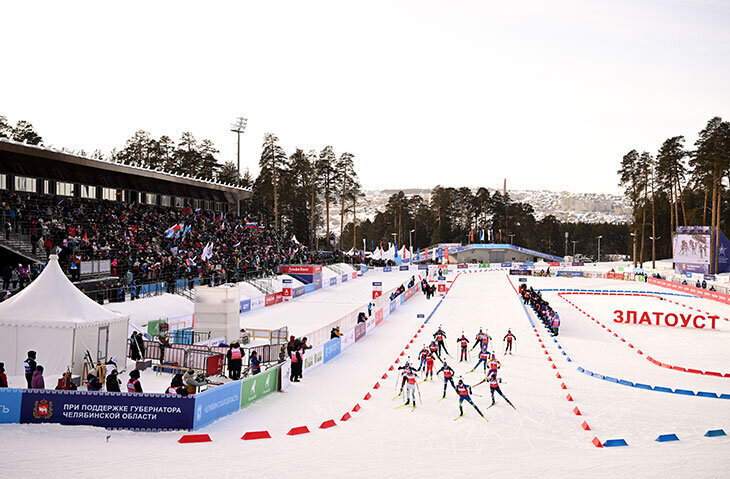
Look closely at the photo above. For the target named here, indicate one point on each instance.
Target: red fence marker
(250, 435)
(192, 438)
(295, 431)
(345, 417)
(328, 424)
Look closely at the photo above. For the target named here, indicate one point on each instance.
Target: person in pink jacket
(37, 382)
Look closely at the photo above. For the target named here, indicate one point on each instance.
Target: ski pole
(419, 394)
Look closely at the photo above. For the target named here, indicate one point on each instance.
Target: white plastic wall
(217, 311)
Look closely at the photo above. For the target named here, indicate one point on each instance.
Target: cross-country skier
(440, 335)
(478, 340)
(494, 387)
(493, 366)
(429, 367)
(464, 390)
(403, 371)
(448, 377)
(422, 357)
(433, 349)
(483, 357)
(463, 342)
(509, 337)
(410, 377)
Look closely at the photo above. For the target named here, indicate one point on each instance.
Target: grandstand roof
(43, 162)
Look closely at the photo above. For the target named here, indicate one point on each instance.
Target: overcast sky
(548, 94)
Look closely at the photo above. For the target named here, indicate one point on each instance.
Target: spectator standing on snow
(254, 363)
(30, 366)
(235, 361)
(134, 347)
(133, 385)
(3, 376)
(113, 382)
(140, 345)
(38, 382)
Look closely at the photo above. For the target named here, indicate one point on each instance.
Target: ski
(413, 408)
(489, 406)
(458, 417)
(397, 396)
(441, 399)
(402, 405)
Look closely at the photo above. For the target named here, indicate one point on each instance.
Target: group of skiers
(409, 374)
(545, 313)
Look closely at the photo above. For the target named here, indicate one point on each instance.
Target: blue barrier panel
(715, 433)
(706, 394)
(610, 379)
(423, 266)
(625, 382)
(393, 305)
(344, 278)
(402, 298)
(568, 359)
(662, 389)
(642, 386)
(333, 281)
(667, 438)
(308, 288)
(245, 306)
(615, 443)
(110, 410)
(332, 348)
(10, 403)
(599, 376)
(724, 396)
(296, 292)
(419, 316)
(685, 392)
(216, 402)
(563, 352)
(387, 269)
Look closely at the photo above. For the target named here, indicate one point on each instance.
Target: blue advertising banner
(360, 330)
(377, 283)
(506, 265)
(393, 305)
(423, 266)
(296, 292)
(345, 277)
(245, 306)
(520, 272)
(286, 281)
(10, 403)
(112, 410)
(403, 267)
(363, 268)
(578, 263)
(528, 265)
(523, 280)
(402, 298)
(216, 402)
(333, 281)
(333, 347)
(387, 269)
(317, 280)
(308, 288)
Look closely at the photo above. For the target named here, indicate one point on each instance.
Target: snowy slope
(542, 438)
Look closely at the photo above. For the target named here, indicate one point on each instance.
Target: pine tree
(6, 130)
(326, 179)
(208, 165)
(272, 162)
(228, 173)
(630, 179)
(25, 133)
(347, 178)
(186, 155)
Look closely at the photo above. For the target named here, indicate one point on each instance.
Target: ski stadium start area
(657, 391)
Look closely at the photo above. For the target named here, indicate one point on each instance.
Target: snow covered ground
(542, 438)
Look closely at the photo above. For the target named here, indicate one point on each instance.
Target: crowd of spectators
(545, 313)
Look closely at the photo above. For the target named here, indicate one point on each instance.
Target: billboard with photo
(692, 252)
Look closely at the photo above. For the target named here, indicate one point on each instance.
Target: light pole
(566, 244)
(574, 242)
(410, 240)
(598, 259)
(634, 249)
(511, 236)
(653, 251)
(238, 127)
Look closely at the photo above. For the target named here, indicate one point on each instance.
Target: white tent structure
(60, 323)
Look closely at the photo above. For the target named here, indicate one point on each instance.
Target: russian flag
(251, 224)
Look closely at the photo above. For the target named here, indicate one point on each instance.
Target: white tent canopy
(52, 317)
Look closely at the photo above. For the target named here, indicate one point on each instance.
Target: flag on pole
(169, 232)
(471, 236)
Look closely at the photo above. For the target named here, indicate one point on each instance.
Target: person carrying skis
(440, 335)
(448, 377)
(464, 390)
(509, 337)
(483, 357)
(463, 342)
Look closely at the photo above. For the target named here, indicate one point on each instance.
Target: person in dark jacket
(30, 366)
(254, 363)
(3, 376)
(133, 385)
(38, 382)
(176, 386)
(134, 347)
(235, 361)
(92, 380)
(113, 382)
(140, 345)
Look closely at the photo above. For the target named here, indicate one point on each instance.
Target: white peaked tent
(60, 323)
